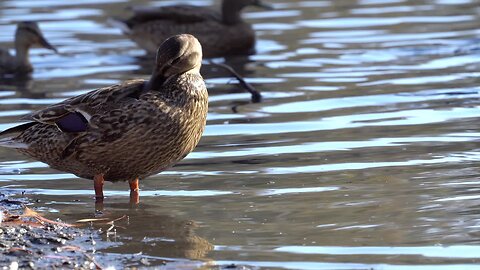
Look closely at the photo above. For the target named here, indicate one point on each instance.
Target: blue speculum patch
(72, 122)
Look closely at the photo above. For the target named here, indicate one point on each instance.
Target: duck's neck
(230, 15)
(21, 55)
(154, 83)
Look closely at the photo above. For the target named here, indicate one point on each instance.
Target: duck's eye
(176, 60)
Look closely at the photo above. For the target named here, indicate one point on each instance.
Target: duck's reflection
(23, 85)
(153, 234)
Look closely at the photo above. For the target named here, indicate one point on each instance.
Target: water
(363, 154)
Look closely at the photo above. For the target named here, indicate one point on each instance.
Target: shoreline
(30, 241)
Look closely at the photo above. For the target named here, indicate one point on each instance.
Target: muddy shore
(30, 241)
(26, 241)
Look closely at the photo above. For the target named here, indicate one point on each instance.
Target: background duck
(221, 34)
(28, 34)
(125, 131)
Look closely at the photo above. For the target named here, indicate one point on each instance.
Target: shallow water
(363, 154)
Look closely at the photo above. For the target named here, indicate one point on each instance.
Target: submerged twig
(256, 95)
(92, 259)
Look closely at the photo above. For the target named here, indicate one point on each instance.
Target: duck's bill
(45, 44)
(263, 5)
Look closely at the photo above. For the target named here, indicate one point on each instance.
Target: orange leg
(98, 185)
(134, 194)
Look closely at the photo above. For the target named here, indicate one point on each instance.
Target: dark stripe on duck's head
(72, 122)
(28, 32)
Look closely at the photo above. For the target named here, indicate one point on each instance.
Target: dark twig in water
(256, 95)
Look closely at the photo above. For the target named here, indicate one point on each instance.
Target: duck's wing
(178, 13)
(74, 114)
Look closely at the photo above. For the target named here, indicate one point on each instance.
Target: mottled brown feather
(126, 137)
(133, 129)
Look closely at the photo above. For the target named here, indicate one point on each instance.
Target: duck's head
(231, 9)
(28, 34)
(176, 55)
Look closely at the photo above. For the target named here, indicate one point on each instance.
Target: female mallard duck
(125, 131)
(27, 35)
(220, 34)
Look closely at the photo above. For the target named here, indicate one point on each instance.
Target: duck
(221, 34)
(28, 34)
(127, 131)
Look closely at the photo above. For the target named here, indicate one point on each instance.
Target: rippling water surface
(363, 154)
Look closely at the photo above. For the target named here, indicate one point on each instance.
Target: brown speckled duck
(126, 131)
(221, 34)
(27, 35)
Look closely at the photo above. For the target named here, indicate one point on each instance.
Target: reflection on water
(167, 237)
(363, 153)
(164, 237)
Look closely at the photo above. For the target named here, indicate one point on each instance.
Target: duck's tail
(10, 142)
(7, 137)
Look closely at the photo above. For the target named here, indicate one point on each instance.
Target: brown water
(363, 154)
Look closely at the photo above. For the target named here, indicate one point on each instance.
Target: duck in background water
(28, 34)
(126, 131)
(221, 34)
